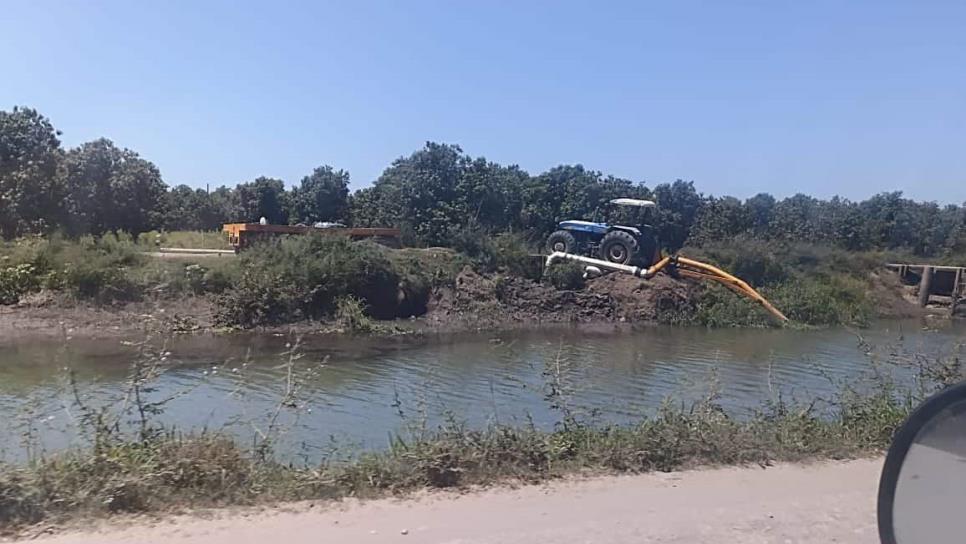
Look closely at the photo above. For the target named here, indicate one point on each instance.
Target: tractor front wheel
(619, 247)
(562, 240)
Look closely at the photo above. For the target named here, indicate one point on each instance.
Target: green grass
(93, 268)
(185, 239)
(169, 471)
(106, 269)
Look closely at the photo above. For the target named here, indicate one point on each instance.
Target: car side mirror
(922, 490)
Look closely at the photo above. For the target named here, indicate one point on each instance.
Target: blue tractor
(631, 245)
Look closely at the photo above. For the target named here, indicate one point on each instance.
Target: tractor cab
(622, 244)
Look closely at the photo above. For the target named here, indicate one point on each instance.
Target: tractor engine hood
(585, 226)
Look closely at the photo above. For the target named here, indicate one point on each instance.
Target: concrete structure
(935, 280)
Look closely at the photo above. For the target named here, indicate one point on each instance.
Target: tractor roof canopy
(633, 202)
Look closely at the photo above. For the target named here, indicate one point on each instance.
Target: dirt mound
(646, 300)
(489, 301)
(891, 298)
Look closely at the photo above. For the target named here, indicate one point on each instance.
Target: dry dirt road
(822, 503)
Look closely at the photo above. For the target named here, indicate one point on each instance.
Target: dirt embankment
(473, 302)
(477, 301)
(893, 299)
(54, 318)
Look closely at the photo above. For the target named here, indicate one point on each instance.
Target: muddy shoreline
(92, 322)
(474, 303)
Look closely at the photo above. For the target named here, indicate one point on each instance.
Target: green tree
(183, 212)
(678, 206)
(421, 193)
(321, 196)
(888, 221)
(263, 197)
(572, 192)
(721, 219)
(955, 245)
(197, 209)
(139, 193)
(370, 207)
(760, 209)
(491, 195)
(90, 172)
(31, 181)
(225, 207)
(795, 218)
(840, 223)
(112, 189)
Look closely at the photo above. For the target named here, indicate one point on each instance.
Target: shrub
(351, 315)
(717, 306)
(503, 252)
(824, 301)
(91, 280)
(94, 268)
(813, 285)
(429, 268)
(220, 277)
(16, 281)
(303, 277)
(566, 276)
(758, 263)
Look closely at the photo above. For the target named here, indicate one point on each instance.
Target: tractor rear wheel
(562, 240)
(619, 247)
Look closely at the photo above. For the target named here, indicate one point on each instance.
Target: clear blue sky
(823, 97)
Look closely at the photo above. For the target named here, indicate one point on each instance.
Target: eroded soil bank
(473, 302)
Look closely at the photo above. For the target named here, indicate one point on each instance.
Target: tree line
(436, 195)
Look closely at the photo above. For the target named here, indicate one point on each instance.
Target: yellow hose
(712, 273)
(652, 271)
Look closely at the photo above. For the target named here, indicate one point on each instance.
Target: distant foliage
(111, 189)
(200, 210)
(321, 196)
(264, 197)
(31, 179)
(438, 196)
(886, 221)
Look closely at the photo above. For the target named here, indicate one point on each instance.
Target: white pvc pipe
(191, 250)
(560, 255)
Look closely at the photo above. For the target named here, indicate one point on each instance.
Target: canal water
(347, 393)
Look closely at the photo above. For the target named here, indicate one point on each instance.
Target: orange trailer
(242, 235)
